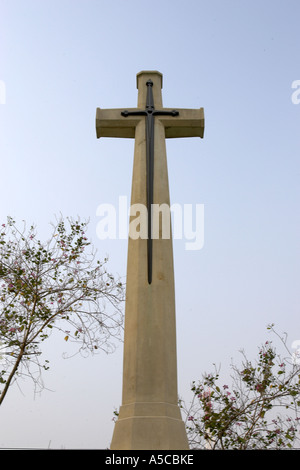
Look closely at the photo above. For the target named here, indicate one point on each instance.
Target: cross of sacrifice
(149, 416)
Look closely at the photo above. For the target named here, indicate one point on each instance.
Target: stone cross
(149, 416)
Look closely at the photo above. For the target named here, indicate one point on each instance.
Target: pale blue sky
(60, 60)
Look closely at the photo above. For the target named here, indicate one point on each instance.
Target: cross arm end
(188, 123)
(110, 123)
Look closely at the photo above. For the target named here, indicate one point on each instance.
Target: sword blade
(149, 113)
(150, 175)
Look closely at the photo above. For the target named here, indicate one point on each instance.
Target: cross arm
(188, 123)
(111, 123)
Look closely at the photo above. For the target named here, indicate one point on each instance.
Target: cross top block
(142, 80)
(152, 75)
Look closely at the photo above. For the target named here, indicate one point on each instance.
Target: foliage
(247, 415)
(57, 285)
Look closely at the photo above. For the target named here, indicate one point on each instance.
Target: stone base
(149, 426)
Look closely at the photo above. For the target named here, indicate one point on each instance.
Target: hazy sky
(60, 60)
